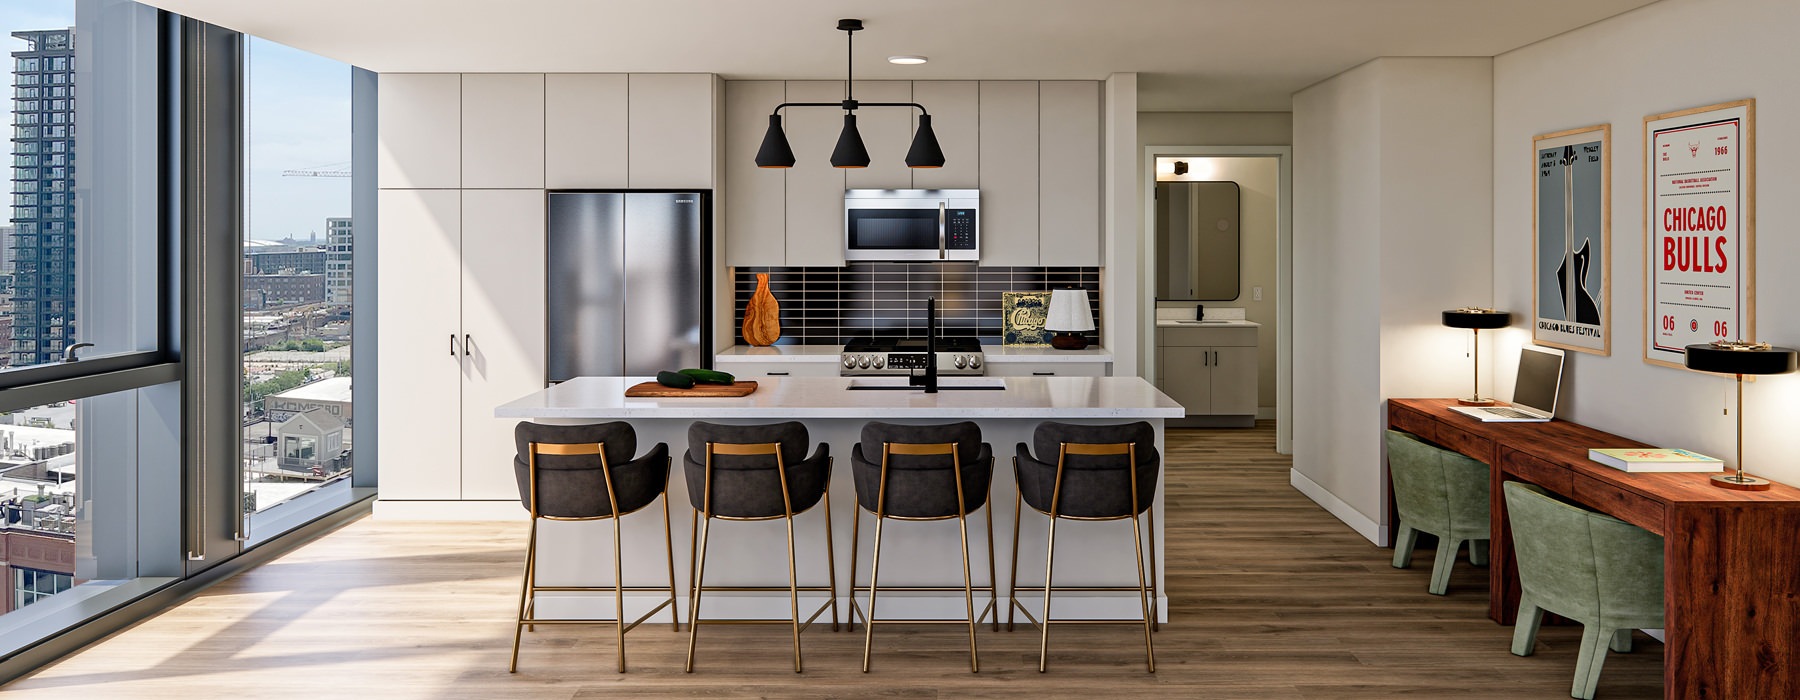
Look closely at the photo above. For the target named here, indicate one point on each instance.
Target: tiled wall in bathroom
(830, 305)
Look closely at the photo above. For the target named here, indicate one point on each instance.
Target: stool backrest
(1582, 564)
(562, 470)
(752, 471)
(1437, 490)
(1091, 471)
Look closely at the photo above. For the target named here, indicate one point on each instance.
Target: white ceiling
(1191, 54)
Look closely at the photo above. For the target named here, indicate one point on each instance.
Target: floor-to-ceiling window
(297, 273)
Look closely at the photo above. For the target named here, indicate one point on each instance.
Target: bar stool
(923, 472)
(580, 473)
(756, 472)
(1102, 472)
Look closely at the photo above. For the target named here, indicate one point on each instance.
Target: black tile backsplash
(830, 305)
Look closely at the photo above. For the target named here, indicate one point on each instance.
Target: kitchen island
(1088, 554)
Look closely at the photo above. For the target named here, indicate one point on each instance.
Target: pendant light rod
(850, 153)
(849, 26)
(850, 106)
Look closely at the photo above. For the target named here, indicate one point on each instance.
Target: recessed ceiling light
(907, 60)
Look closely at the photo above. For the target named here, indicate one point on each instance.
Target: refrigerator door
(664, 295)
(585, 254)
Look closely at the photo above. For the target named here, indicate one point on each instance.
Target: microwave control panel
(959, 229)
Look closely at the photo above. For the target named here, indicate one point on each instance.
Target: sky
(299, 118)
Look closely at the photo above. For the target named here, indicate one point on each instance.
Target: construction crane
(327, 170)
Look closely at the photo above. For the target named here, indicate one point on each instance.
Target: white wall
(1393, 196)
(1667, 56)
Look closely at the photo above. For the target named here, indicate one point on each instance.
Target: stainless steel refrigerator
(629, 283)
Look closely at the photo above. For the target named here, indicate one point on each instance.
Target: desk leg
(1731, 595)
(1503, 577)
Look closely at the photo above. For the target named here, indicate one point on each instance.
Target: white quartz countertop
(829, 353)
(827, 397)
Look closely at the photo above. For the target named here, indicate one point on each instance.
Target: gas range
(957, 356)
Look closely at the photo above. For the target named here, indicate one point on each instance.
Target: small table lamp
(1476, 318)
(1069, 318)
(1740, 358)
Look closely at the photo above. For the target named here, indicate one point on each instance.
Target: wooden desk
(1731, 584)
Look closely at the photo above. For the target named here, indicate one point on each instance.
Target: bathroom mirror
(1197, 241)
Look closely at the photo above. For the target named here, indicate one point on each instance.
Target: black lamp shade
(1707, 357)
(775, 152)
(850, 152)
(1479, 319)
(924, 152)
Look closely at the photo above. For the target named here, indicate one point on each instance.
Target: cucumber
(674, 380)
(707, 376)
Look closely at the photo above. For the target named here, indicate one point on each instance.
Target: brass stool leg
(874, 588)
(1012, 595)
(1049, 567)
(524, 596)
(693, 556)
(993, 580)
(968, 593)
(694, 600)
(831, 561)
(855, 527)
(1155, 614)
(619, 588)
(793, 591)
(669, 545)
(1137, 548)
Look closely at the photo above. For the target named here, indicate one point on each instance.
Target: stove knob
(880, 361)
(863, 362)
(960, 361)
(975, 362)
(849, 362)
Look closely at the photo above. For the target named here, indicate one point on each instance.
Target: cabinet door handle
(1043, 374)
(778, 374)
(453, 345)
(466, 343)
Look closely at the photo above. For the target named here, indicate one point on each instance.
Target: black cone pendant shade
(850, 152)
(924, 152)
(775, 152)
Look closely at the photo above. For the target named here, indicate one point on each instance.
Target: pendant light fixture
(850, 152)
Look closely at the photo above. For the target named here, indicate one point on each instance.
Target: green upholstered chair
(1442, 493)
(1589, 567)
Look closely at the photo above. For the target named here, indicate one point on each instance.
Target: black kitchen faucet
(930, 380)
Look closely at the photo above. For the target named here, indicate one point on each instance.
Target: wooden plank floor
(1271, 597)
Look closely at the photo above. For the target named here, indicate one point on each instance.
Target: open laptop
(1534, 392)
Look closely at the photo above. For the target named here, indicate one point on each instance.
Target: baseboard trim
(1362, 524)
(450, 510)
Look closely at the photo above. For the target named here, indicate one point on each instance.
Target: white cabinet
(467, 334)
(1009, 172)
(752, 370)
(755, 204)
(815, 190)
(671, 130)
(503, 130)
(1210, 371)
(1048, 369)
(1068, 173)
(956, 120)
(886, 133)
(584, 130)
(420, 131)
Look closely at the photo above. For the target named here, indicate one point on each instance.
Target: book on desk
(1652, 459)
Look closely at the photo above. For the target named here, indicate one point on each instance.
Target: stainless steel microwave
(920, 225)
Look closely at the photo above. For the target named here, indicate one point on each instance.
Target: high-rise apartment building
(337, 261)
(43, 212)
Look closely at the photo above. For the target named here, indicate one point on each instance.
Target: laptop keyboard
(1505, 412)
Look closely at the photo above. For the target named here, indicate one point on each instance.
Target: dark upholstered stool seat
(922, 472)
(586, 472)
(757, 472)
(1089, 472)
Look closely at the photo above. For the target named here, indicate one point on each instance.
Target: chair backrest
(746, 483)
(1093, 485)
(1437, 490)
(569, 480)
(921, 461)
(1581, 564)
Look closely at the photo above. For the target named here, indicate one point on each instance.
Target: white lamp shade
(1069, 311)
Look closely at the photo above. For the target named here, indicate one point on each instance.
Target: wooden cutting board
(654, 390)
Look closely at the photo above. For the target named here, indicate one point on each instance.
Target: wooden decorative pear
(762, 316)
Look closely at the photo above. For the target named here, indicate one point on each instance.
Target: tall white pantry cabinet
(463, 166)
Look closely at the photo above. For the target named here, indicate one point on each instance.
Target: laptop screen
(1540, 374)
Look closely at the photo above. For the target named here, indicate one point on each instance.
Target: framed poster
(1571, 248)
(1699, 228)
(1022, 317)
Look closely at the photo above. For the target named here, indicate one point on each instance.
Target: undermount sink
(944, 384)
(1207, 322)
